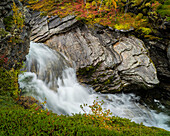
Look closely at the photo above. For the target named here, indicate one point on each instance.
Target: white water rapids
(70, 94)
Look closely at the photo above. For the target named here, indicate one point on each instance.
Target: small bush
(8, 82)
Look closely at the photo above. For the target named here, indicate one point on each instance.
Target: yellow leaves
(87, 5)
(18, 17)
(111, 2)
(97, 19)
(148, 4)
(62, 7)
(12, 70)
(137, 2)
(114, 4)
(122, 26)
(90, 16)
(94, 3)
(33, 1)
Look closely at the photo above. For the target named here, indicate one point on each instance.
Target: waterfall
(50, 77)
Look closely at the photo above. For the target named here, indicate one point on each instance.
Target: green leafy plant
(145, 30)
(8, 81)
(164, 9)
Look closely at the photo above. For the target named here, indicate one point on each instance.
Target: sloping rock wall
(103, 58)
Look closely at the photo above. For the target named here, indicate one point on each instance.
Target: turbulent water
(64, 94)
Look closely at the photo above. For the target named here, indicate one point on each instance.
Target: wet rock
(44, 27)
(159, 52)
(168, 54)
(136, 67)
(103, 58)
(2, 24)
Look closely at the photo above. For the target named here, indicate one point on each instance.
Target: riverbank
(15, 120)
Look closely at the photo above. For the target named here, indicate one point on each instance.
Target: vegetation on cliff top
(118, 14)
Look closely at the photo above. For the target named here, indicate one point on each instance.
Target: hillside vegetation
(15, 120)
(144, 16)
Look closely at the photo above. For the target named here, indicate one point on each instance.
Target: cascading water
(49, 77)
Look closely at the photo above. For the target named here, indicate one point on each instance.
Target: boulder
(104, 59)
(136, 66)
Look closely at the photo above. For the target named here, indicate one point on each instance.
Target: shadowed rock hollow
(104, 59)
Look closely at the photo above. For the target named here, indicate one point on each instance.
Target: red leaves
(78, 6)
(3, 59)
(37, 108)
(48, 113)
(95, 12)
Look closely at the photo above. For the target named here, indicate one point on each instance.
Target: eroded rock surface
(136, 67)
(103, 59)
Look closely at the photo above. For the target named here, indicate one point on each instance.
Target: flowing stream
(50, 77)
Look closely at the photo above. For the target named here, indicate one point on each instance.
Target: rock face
(44, 27)
(136, 66)
(168, 53)
(13, 53)
(160, 53)
(103, 59)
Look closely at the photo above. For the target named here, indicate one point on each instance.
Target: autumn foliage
(103, 12)
(111, 13)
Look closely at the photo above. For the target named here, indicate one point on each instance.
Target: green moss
(164, 10)
(88, 71)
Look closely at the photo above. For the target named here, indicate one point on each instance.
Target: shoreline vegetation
(15, 120)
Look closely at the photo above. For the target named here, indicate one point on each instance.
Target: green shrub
(15, 120)
(164, 10)
(8, 82)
